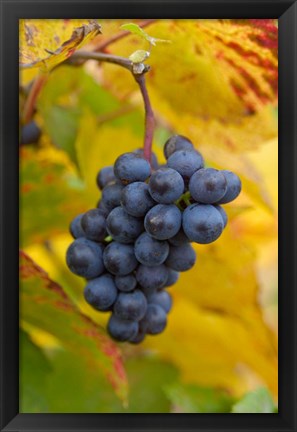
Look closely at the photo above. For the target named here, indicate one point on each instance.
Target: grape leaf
(51, 194)
(61, 123)
(188, 398)
(59, 111)
(57, 38)
(35, 371)
(45, 305)
(258, 401)
(228, 67)
(135, 29)
(228, 348)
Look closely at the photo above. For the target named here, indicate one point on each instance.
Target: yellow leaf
(211, 349)
(46, 43)
(216, 83)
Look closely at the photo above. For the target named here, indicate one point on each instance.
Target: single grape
(154, 321)
(186, 163)
(223, 214)
(111, 195)
(202, 223)
(101, 292)
(30, 133)
(151, 278)
(123, 227)
(131, 167)
(161, 298)
(233, 187)
(94, 225)
(138, 338)
(119, 259)
(163, 221)
(166, 185)
(130, 306)
(154, 160)
(136, 199)
(149, 251)
(172, 277)
(207, 185)
(179, 238)
(126, 283)
(122, 330)
(176, 143)
(84, 258)
(104, 210)
(104, 176)
(181, 258)
(75, 227)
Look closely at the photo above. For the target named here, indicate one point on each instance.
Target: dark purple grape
(136, 199)
(202, 223)
(181, 258)
(119, 259)
(131, 167)
(149, 251)
(163, 221)
(207, 185)
(94, 225)
(104, 176)
(176, 143)
(123, 227)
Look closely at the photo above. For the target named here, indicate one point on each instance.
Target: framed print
(148, 215)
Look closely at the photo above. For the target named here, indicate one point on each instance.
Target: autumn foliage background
(216, 83)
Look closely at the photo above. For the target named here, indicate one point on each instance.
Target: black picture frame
(286, 12)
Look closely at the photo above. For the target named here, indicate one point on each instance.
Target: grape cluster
(136, 242)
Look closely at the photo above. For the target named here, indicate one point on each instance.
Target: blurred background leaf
(257, 401)
(193, 399)
(46, 306)
(217, 84)
(56, 38)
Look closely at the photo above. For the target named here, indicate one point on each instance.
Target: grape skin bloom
(136, 199)
(104, 176)
(131, 167)
(84, 258)
(186, 163)
(163, 221)
(149, 251)
(94, 225)
(125, 283)
(207, 185)
(233, 187)
(155, 320)
(123, 227)
(119, 259)
(122, 330)
(130, 306)
(181, 258)
(176, 143)
(202, 223)
(75, 228)
(152, 278)
(166, 185)
(101, 292)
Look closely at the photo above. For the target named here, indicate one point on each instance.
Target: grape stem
(140, 79)
(108, 239)
(149, 118)
(30, 103)
(80, 55)
(185, 198)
